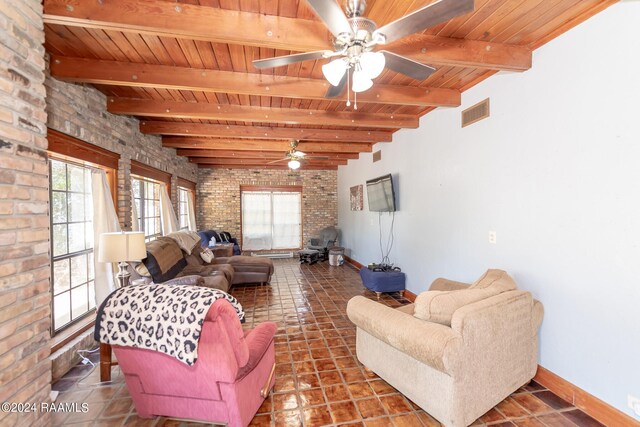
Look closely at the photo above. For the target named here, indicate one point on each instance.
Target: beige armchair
(459, 350)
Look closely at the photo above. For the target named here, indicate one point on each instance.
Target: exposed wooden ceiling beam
(260, 167)
(264, 145)
(442, 51)
(247, 154)
(128, 74)
(168, 19)
(262, 132)
(258, 162)
(206, 111)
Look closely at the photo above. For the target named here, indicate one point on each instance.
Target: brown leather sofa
(246, 269)
(166, 261)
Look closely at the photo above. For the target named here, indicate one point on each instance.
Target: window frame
(149, 173)
(183, 207)
(274, 189)
(66, 148)
(190, 187)
(86, 252)
(142, 217)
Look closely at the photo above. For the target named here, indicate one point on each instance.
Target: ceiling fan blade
(335, 91)
(279, 61)
(279, 160)
(428, 16)
(332, 16)
(406, 66)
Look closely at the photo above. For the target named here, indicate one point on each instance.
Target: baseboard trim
(353, 262)
(594, 407)
(410, 295)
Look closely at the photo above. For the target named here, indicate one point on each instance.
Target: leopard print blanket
(160, 317)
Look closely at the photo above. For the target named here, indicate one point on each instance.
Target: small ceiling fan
(355, 38)
(295, 157)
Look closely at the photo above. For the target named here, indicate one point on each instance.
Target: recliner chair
(328, 238)
(229, 381)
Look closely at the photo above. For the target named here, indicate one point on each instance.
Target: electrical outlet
(492, 237)
(634, 403)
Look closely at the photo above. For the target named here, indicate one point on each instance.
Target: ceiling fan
(295, 157)
(355, 38)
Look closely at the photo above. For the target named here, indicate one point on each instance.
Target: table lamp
(122, 247)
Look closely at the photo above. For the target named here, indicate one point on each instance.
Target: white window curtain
(135, 219)
(256, 221)
(192, 212)
(286, 220)
(271, 220)
(167, 214)
(105, 220)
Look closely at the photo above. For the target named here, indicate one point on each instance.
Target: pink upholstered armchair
(227, 384)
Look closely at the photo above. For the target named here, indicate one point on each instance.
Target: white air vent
(377, 156)
(476, 113)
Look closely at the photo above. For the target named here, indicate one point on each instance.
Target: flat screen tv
(380, 194)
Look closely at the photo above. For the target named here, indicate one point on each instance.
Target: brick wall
(25, 368)
(218, 196)
(80, 111)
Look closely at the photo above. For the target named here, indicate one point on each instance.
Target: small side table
(309, 256)
(383, 281)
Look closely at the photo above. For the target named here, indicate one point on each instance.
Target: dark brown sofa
(166, 260)
(246, 269)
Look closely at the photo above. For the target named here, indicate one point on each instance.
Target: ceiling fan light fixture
(334, 70)
(361, 81)
(293, 164)
(372, 63)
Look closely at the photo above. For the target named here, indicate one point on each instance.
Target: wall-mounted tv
(381, 195)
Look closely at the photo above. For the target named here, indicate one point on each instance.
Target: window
(146, 194)
(183, 207)
(71, 242)
(271, 220)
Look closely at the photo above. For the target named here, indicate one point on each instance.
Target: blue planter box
(382, 281)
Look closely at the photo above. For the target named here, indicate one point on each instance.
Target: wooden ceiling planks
(502, 31)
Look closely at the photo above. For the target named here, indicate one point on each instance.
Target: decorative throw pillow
(186, 239)
(142, 270)
(164, 259)
(207, 255)
(439, 306)
(495, 279)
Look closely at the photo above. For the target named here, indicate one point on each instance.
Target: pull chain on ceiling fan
(355, 38)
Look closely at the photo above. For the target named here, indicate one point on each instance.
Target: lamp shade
(294, 164)
(372, 63)
(334, 70)
(361, 81)
(123, 246)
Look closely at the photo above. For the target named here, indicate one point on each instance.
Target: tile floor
(319, 380)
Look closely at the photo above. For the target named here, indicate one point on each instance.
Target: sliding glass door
(271, 220)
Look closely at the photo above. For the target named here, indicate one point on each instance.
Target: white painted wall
(555, 171)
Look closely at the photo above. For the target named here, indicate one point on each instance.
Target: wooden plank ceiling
(184, 69)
